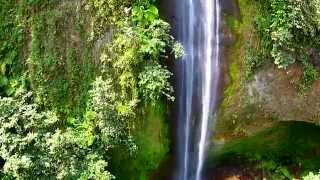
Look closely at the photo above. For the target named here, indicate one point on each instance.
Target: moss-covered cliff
(257, 92)
(84, 89)
(258, 95)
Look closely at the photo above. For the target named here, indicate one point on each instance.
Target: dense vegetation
(78, 83)
(288, 32)
(273, 68)
(84, 87)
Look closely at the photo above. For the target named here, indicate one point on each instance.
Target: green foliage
(35, 145)
(178, 50)
(287, 31)
(69, 128)
(57, 65)
(277, 149)
(275, 169)
(144, 15)
(32, 144)
(152, 142)
(289, 27)
(310, 74)
(154, 82)
(11, 39)
(37, 3)
(105, 14)
(102, 118)
(133, 61)
(151, 139)
(134, 56)
(253, 61)
(44, 60)
(312, 176)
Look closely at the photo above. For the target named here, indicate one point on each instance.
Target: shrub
(312, 176)
(288, 29)
(33, 146)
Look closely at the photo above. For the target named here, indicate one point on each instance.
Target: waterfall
(198, 77)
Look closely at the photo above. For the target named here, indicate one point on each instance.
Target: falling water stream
(198, 77)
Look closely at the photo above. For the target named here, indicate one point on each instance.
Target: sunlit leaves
(312, 176)
(154, 82)
(288, 28)
(11, 39)
(144, 15)
(33, 146)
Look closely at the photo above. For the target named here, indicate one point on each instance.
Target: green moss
(233, 23)
(235, 77)
(285, 145)
(243, 31)
(153, 145)
(11, 48)
(60, 64)
(66, 41)
(310, 75)
(153, 139)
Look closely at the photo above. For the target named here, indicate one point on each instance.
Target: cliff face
(270, 95)
(62, 44)
(257, 133)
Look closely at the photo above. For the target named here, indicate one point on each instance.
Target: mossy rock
(152, 139)
(292, 145)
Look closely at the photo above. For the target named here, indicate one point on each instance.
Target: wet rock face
(278, 93)
(272, 95)
(234, 172)
(231, 7)
(314, 55)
